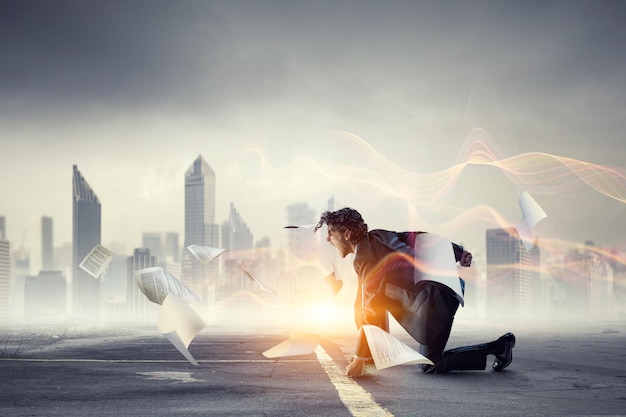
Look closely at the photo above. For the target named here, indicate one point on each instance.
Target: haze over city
(422, 115)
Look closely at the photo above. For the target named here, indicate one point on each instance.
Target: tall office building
(86, 234)
(3, 230)
(5, 280)
(512, 274)
(200, 226)
(47, 251)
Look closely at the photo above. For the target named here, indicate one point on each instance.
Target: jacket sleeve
(369, 308)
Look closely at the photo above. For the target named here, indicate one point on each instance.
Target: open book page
(156, 283)
(387, 351)
(96, 260)
(205, 254)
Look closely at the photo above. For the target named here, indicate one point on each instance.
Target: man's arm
(369, 311)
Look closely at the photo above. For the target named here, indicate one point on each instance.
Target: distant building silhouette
(172, 247)
(236, 235)
(301, 242)
(3, 230)
(47, 247)
(200, 226)
(5, 279)
(588, 286)
(45, 297)
(163, 246)
(86, 234)
(154, 242)
(20, 269)
(237, 238)
(114, 288)
(138, 304)
(512, 274)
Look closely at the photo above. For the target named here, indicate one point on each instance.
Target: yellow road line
(359, 402)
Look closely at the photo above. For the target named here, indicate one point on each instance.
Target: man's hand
(466, 258)
(355, 368)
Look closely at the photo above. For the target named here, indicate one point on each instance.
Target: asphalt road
(565, 371)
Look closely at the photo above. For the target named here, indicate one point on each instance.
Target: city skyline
(420, 115)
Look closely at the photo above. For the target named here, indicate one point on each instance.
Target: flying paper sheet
(179, 323)
(301, 226)
(261, 285)
(205, 254)
(387, 351)
(96, 261)
(297, 344)
(532, 214)
(156, 283)
(436, 262)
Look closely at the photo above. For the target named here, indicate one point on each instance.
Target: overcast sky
(379, 104)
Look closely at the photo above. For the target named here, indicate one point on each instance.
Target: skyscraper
(3, 230)
(47, 253)
(200, 226)
(5, 279)
(512, 274)
(86, 234)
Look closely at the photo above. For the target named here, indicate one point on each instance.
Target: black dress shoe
(504, 358)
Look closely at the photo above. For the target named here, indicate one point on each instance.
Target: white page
(205, 254)
(262, 286)
(156, 283)
(435, 259)
(532, 214)
(297, 344)
(179, 323)
(96, 260)
(387, 351)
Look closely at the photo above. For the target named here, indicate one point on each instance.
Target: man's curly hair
(345, 219)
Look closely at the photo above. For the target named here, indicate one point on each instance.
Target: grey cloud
(225, 55)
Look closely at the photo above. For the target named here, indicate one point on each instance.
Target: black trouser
(466, 358)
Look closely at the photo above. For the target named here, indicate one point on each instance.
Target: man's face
(341, 241)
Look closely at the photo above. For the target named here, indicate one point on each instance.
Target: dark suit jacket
(385, 268)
